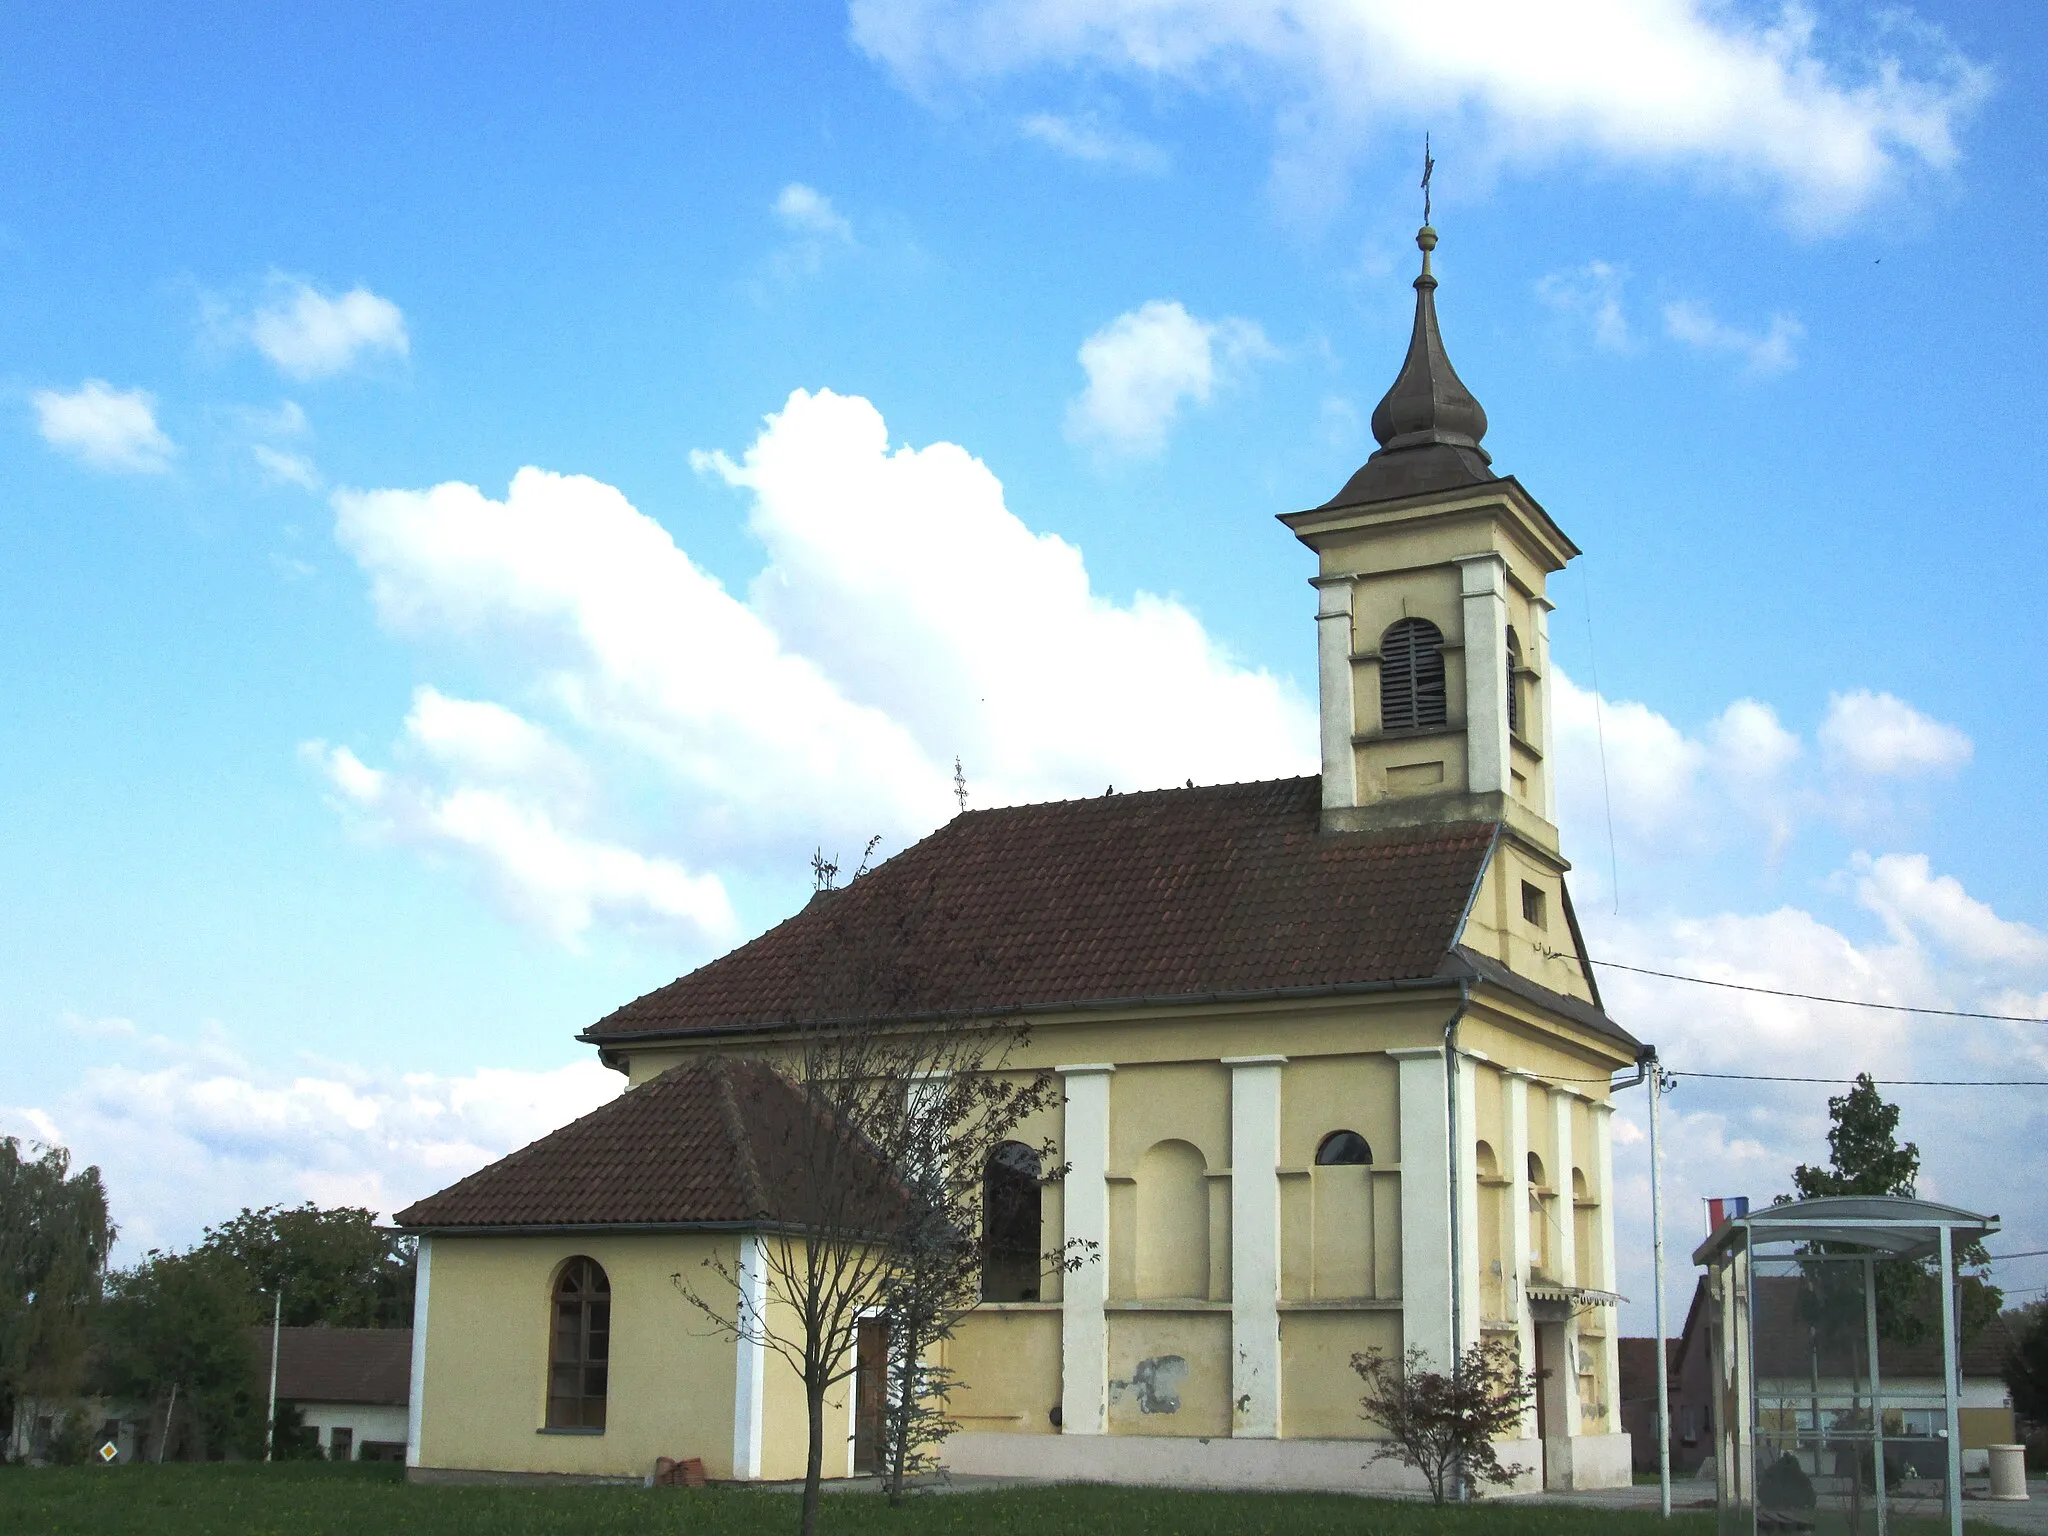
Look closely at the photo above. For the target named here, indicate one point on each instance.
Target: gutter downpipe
(1457, 1200)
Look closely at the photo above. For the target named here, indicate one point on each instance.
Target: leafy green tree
(2026, 1364)
(183, 1320)
(1865, 1157)
(54, 1239)
(336, 1267)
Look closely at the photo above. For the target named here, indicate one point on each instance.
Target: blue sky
(335, 807)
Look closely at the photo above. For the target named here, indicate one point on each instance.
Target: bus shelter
(1808, 1435)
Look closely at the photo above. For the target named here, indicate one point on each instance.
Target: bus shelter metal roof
(1888, 1224)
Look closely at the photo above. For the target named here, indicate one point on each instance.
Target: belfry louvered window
(1412, 676)
(1514, 685)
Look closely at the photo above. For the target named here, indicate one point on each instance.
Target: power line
(1881, 1082)
(2030, 1253)
(1815, 997)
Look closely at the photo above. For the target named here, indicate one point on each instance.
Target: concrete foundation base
(1182, 1462)
(462, 1475)
(1587, 1461)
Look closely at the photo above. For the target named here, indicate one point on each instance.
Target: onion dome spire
(1429, 424)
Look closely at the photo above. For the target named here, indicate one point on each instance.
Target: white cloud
(108, 428)
(1762, 352)
(497, 793)
(804, 210)
(308, 334)
(487, 741)
(874, 645)
(1591, 296)
(1624, 757)
(1149, 361)
(187, 1132)
(1688, 806)
(1884, 736)
(1087, 138)
(286, 468)
(286, 419)
(1827, 123)
(1913, 901)
(816, 232)
(1938, 948)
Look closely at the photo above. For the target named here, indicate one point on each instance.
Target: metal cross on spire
(959, 784)
(1428, 170)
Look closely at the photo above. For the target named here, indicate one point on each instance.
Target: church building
(1334, 1075)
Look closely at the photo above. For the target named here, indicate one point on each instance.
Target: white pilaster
(1517, 1170)
(1339, 693)
(1468, 1197)
(416, 1398)
(1255, 1245)
(1084, 1329)
(1561, 1177)
(1561, 1100)
(750, 1365)
(1540, 660)
(1606, 1276)
(1483, 579)
(1425, 1205)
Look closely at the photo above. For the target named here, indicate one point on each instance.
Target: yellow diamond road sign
(108, 1451)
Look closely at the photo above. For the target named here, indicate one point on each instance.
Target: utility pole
(165, 1438)
(277, 1317)
(1657, 1271)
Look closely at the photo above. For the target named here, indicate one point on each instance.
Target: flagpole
(1657, 1267)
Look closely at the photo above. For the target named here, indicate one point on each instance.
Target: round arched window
(1340, 1148)
(1010, 1216)
(579, 1349)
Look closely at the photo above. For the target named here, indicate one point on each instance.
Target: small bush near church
(1444, 1424)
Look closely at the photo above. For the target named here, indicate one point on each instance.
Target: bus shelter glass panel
(1809, 1434)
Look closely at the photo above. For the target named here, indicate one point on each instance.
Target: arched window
(1514, 683)
(1010, 1211)
(1342, 1147)
(579, 1352)
(1535, 1171)
(1412, 676)
(1484, 1163)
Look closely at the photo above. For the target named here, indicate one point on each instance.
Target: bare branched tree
(969, 1215)
(1443, 1425)
(875, 1178)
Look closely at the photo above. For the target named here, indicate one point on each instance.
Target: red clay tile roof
(714, 1141)
(337, 1365)
(1182, 893)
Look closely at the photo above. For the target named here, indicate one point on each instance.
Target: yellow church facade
(1334, 1076)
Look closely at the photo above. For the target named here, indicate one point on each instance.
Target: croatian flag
(1725, 1209)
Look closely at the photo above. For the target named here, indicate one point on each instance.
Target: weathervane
(1428, 170)
(959, 784)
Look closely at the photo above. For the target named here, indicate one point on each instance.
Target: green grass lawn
(313, 1500)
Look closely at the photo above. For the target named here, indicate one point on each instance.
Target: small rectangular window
(1532, 904)
(341, 1444)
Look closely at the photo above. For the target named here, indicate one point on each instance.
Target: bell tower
(1432, 624)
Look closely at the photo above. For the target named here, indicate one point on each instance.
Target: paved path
(1691, 1494)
